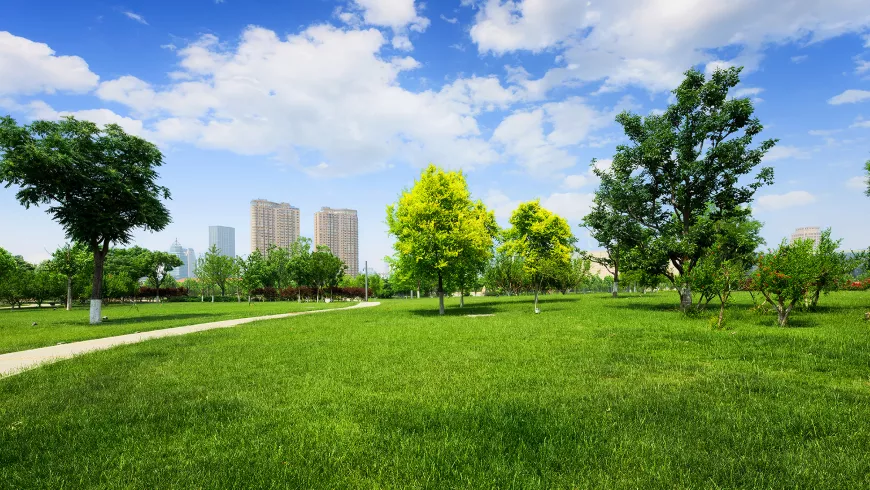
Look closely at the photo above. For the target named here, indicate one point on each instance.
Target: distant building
(813, 233)
(188, 259)
(338, 229)
(224, 239)
(273, 224)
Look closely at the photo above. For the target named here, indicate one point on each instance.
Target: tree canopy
(99, 184)
(440, 232)
(686, 169)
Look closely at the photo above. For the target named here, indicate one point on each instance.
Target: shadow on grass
(476, 309)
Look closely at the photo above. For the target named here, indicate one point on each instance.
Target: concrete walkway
(15, 362)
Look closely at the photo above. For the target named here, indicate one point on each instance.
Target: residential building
(188, 259)
(224, 239)
(813, 233)
(338, 229)
(273, 224)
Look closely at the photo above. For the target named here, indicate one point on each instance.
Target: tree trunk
(615, 289)
(96, 315)
(536, 300)
(68, 293)
(721, 314)
(440, 295)
(212, 298)
(815, 300)
(783, 313)
(685, 297)
(461, 299)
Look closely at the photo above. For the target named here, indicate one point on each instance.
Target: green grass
(592, 393)
(54, 326)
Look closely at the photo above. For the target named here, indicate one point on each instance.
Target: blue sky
(341, 103)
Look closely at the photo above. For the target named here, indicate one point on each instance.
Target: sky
(341, 103)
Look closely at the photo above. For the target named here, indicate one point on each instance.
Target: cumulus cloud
(326, 93)
(28, 67)
(572, 206)
(650, 43)
(449, 20)
(850, 97)
(859, 183)
(777, 202)
(40, 110)
(785, 152)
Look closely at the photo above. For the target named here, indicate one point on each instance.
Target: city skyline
(338, 229)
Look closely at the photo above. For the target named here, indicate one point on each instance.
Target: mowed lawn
(53, 326)
(592, 393)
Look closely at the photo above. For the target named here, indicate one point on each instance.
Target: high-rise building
(223, 238)
(188, 259)
(273, 224)
(338, 229)
(813, 233)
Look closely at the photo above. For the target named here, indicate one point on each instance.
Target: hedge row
(164, 292)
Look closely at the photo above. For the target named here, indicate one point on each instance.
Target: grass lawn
(592, 393)
(53, 326)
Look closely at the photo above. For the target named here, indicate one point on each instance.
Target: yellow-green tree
(440, 232)
(543, 239)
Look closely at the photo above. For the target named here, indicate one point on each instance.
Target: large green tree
(252, 270)
(438, 228)
(325, 270)
(158, 266)
(688, 168)
(299, 266)
(100, 184)
(544, 241)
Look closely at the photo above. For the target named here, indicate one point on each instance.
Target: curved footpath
(15, 362)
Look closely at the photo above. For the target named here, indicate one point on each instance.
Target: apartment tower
(813, 233)
(338, 229)
(224, 239)
(273, 223)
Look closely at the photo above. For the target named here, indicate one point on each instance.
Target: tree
(574, 275)
(785, 275)
(277, 268)
(832, 268)
(252, 270)
(543, 240)
(45, 283)
(99, 184)
(69, 261)
(473, 258)
(437, 228)
(7, 263)
(215, 269)
(326, 270)
(299, 266)
(505, 273)
(684, 169)
(159, 264)
(867, 169)
(16, 285)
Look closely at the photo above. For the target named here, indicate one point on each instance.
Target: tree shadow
(456, 311)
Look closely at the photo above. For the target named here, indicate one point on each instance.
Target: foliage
(99, 184)
(299, 268)
(505, 273)
(833, 268)
(70, 261)
(16, 285)
(45, 284)
(158, 265)
(543, 240)
(681, 172)
(252, 271)
(325, 270)
(574, 276)
(215, 269)
(785, 275)
(440, 232)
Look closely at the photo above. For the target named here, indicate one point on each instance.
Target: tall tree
(833, 267)
(299, 266)
(505, 273)
(277, 267)
(692, 159)
(7, 263)
(252, 270)
(543, 239)
(215, 269)
(435, 224)
(69, 261)
(99, 184)
(45, 284)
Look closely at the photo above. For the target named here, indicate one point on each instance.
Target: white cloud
(747, 92)
(784, 152)
(396, 14)
(861, 66)
(777, 202)
(850, 97)
(651, 42)
(450, 20)
(138, 18)
(859, 183)
(575, 181)
(40, 110)
(325, 93)
(522, 136)
(27, 68)
(861, 123)
(799, 59)
(572, 206)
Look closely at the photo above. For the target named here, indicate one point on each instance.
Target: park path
(16, 362)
